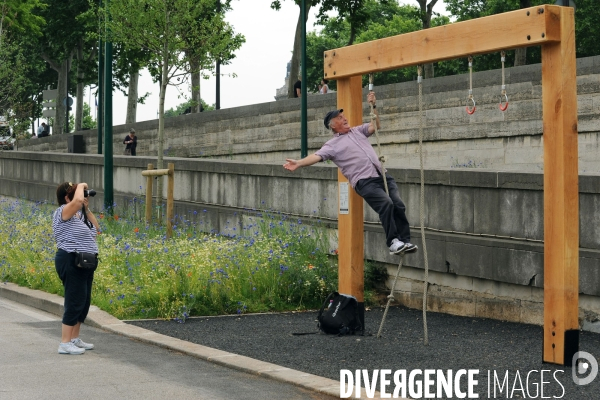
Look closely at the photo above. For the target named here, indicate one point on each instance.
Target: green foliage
(173, 32)
(22, 73)
(271, 264)
(375, 275)
(19, 16)
(587, 28)
(387, 18)
(180, 109)
(88, 121)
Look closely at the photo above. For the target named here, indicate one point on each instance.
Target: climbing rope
(503, 96)
(422, 211)
(470, 99)
(387, 191)
(390, 297)
(374, 123)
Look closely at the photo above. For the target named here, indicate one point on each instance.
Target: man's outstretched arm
(293, 165)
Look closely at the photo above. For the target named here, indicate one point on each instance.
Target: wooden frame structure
(149, 174)
(552, 27)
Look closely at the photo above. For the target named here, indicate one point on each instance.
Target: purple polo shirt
(353, 154)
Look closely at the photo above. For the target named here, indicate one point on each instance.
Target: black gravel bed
(495, 348)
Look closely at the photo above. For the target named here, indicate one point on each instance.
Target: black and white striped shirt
(73, 235)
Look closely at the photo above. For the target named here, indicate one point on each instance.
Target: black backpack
(339, 315)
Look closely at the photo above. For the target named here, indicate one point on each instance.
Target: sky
(260, 64)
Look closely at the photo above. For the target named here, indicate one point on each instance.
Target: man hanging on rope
(351, 151)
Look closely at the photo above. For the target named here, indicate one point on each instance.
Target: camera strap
(85, 218)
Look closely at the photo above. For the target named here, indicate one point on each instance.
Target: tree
(66, 25)
(295, 64)
(185, 106)
(220, 46)
(17, 21)
(86, 55)
(19, 16)
(354, 12)
(587, 28)
(426, 13)
(172, 31)
(127, 64)
(388, 18)
(469, 9)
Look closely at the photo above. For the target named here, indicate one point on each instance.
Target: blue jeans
(391, 209)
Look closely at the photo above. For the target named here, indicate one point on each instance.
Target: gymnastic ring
(503, 107)
(470, 110)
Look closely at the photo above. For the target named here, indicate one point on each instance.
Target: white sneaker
(397, 246)
(69, 348)
(81, 344)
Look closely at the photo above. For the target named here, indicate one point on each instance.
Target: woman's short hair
(63, 190)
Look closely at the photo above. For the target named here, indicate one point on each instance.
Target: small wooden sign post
(552, 27)
(149, 174)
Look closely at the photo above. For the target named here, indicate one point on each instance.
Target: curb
(97, 318)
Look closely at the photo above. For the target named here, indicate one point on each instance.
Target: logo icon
(585, 368)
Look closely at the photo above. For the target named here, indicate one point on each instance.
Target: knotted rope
(422, 211)
(390, 297)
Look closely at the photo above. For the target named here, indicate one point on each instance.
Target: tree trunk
(426, 11)
(352, 35)
(59, 119)
(79, 95)
(198, 92)
(295, 65)
(195, 72)
(132, 97)
(161, 128)
(520, 56)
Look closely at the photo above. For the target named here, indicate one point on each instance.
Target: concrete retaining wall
(270, 132)
(484, 236)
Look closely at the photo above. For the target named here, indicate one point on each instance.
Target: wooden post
(170, 188)
(350, 226)
(149, 196)
(561, 195)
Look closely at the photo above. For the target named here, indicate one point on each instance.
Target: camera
(90, 192)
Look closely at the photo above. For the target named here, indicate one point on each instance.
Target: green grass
(271, 264)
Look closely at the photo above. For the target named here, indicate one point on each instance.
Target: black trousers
(78, 287)
(391, 209)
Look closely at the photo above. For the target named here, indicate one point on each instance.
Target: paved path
(122, 368)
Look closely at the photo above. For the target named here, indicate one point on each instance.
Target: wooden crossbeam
(522, 28)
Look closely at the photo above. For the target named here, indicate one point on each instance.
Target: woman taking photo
(75, 229)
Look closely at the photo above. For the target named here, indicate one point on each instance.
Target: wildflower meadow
(272, 264)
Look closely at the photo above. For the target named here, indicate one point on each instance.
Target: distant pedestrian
(323, 88)
(43, 130)
(298, 87)
(75, 228)
(131, 143)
